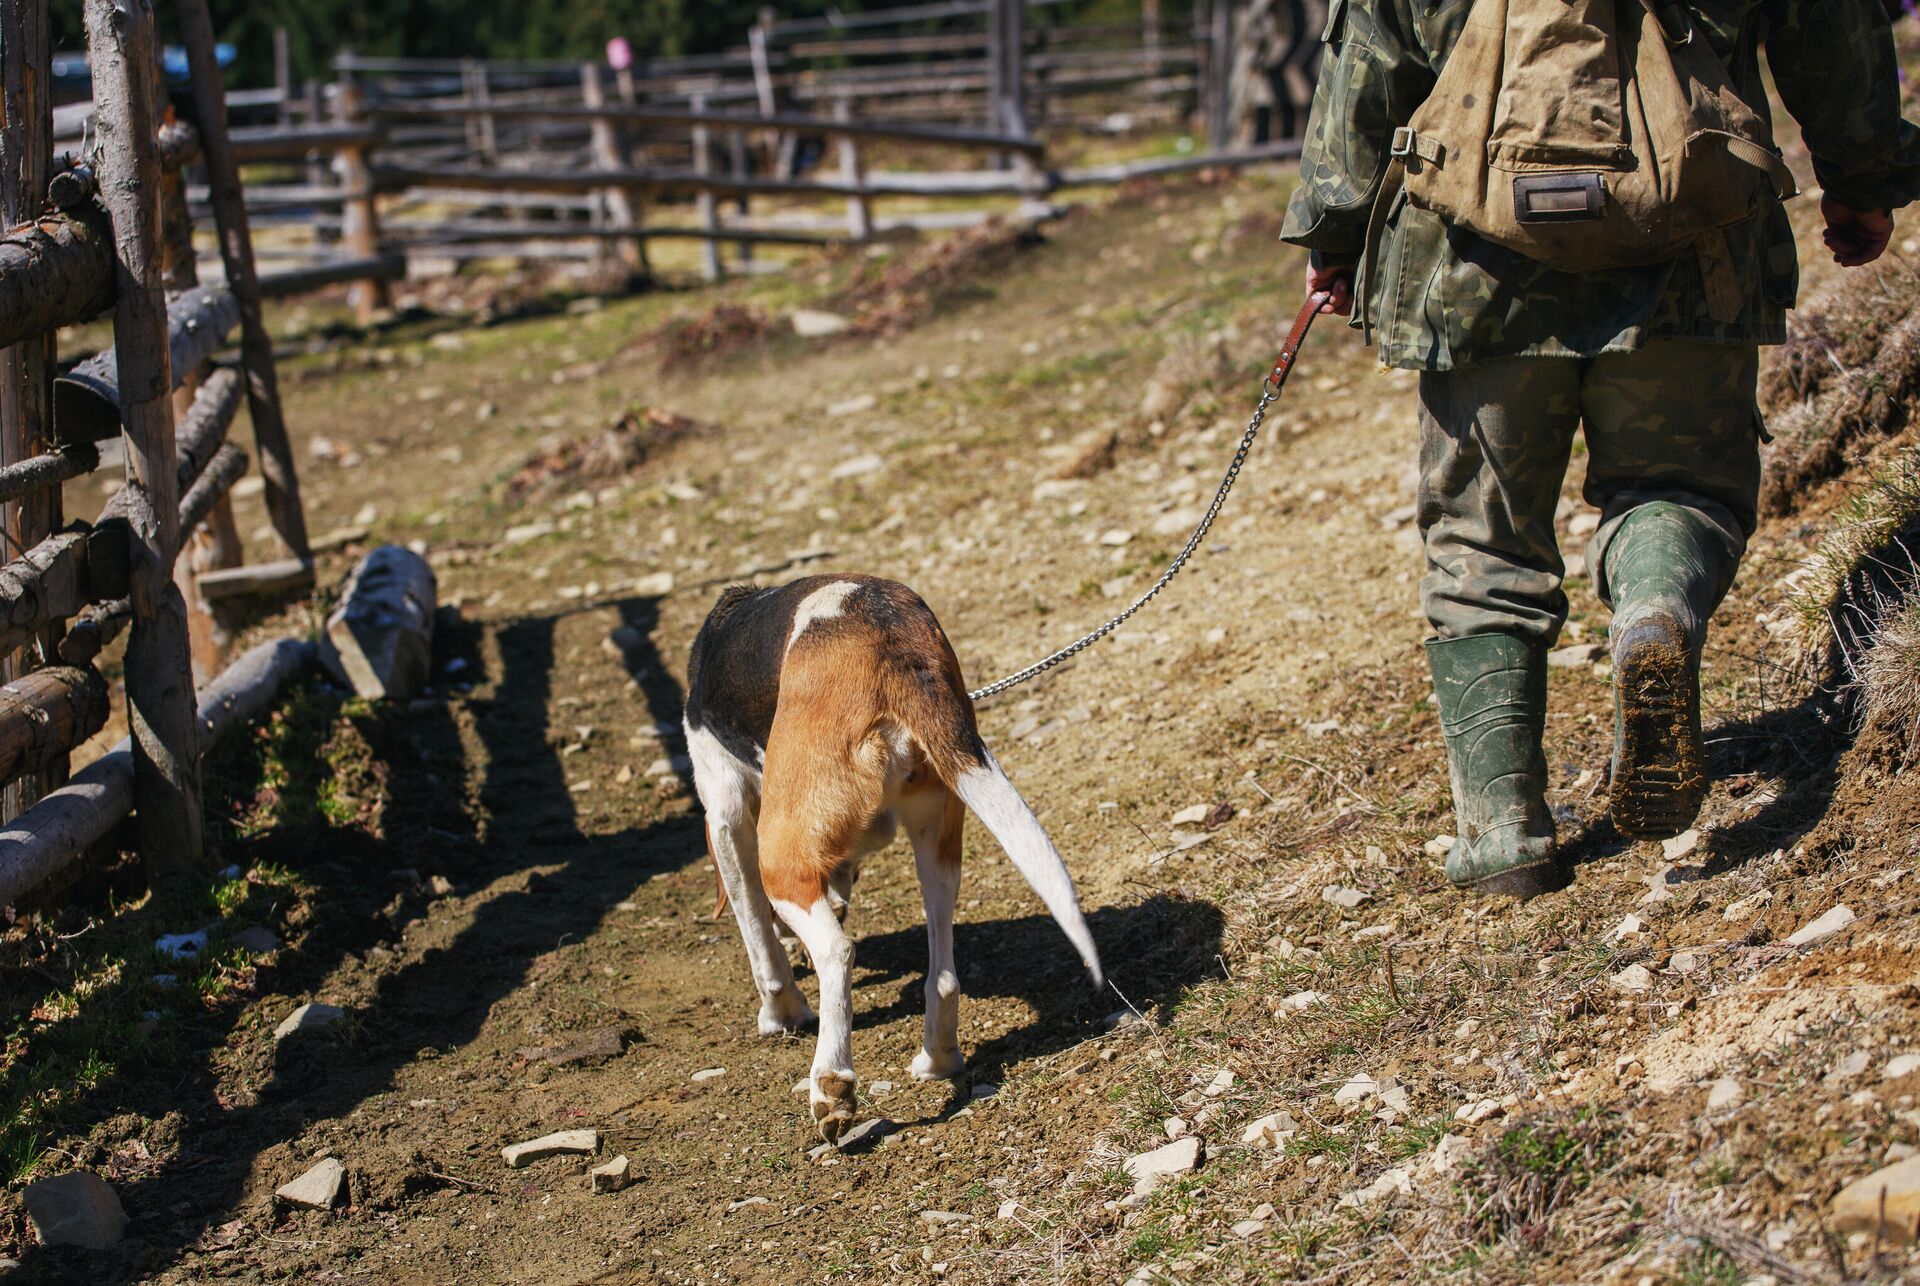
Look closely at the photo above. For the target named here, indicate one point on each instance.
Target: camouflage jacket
(1444, 297)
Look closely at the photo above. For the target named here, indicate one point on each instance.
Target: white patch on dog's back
(823, 604)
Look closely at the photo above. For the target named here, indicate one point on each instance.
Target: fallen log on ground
(379, 641)
(52, 834)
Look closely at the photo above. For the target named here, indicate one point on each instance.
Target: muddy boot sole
(1525, 882)
(1659, 764)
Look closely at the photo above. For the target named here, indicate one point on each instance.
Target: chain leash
(1270, 387)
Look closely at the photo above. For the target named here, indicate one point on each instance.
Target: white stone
(1450, 1153)
(1342, 897)
(1177, 1127)
(669, 766)
(1632, 978)
(75, 1209)
(1359, 1088)
(1725, 1094)
(652, 585)
(1115, 537)
(564, 1143)
(1397, 1099)
(1394, 1182)
(308, 1018)
(1902, 1065)
(183, 946)
(1885, 1203)
(744, 1202)
(1576, 655)
(524, 532)
(1302, 1000)
(1249, 1228)
(706, 1074)
(1823, 928)
(1474, 1113)
(255, 940)
(1852, 1067)
(1222, 1082)
(1007, 1210)
(1150, 1169)
(1678, 846)
(1438, 846)
(613, 1176)
(1684, 962)
(1628, 926)
(1191, 816)
(1270, 1131)
(858, 467)
(813, 323)
(320, 1188)
(853, 405)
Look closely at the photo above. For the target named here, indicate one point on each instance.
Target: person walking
(1658, 361)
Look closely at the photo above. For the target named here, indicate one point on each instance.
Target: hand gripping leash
(1269, 393)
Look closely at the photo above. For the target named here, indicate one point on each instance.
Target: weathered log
(204, 428)
(298, 281)
(229, 463)
(379, 641)
(47, 583)
(236, 253)
(37, 473)
(55, 832)
(86, 400)
(46, 714)
(55, 271)
(360, 219)
(91, 631)
(120, 45)
(278, 143)
(276, 577)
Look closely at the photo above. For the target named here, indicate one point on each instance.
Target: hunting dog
(821, 716)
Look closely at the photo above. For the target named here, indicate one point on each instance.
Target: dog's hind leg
(934, 818)
(730, 795)
(831, 1083)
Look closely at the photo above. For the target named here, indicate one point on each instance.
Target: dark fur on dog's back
(735, 671)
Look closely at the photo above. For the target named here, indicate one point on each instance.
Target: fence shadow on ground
(514, 819)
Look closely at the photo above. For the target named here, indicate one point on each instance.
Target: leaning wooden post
(704, 203)
(859, 209)
(1006, 75)
(236, 251)
(360, 218)
(26, 369)
(160, 699)
(283, 76)
(610, 153)
(1219, 96)
(482, 137)
(215, 544)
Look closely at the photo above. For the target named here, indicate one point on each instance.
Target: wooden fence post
(283, 75)
(742, 204)
(360, 216)
(26, 369)
(160, 698)
(704, 203)
(1219, 93)
(859, 209)
(610, 153)
(476, 87)
(236, 252)
(1006, 68)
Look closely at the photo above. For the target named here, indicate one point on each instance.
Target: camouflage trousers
(1674, 421)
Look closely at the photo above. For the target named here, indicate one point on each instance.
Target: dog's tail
(985, 788)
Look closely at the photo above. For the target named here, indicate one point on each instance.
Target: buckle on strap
(1411, 148)
(1404, 142)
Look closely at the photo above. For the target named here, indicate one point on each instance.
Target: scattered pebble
(1176, 1127)
(1450, 1153)
(1628, 926)
(1823, 928)
(1222, 1082)
(1576, 655)
(1725, 1094)
(1635, 977)
(1344, 898)
(321, 1188)
(1150, 1169)
(183, 946)
(814, 323)
(1885, 1204)
(564, 1143)
(308, 1018)
(78, 1208)
(611, 1177)
(744, 1202)
(1191, 816)
(255, 940)
(1270, 1131)
(1115, 537)
(1903, 1065)
(706, 1074)
(1302, 1000)
(1680, 845)
(1359, 1088)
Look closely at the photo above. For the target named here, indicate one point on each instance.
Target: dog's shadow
(1153, 950)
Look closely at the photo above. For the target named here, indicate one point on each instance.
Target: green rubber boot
(1665, 576)
(1492, 691)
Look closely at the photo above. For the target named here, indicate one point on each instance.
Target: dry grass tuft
(1532, 1170)
(712, 333)
(1838, 331)
(1888, 674)
(893, 295)
(1861, 569)
(613, 452)
(1193, 367)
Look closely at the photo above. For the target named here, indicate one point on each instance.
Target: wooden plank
(258, 579)
(37, 473)
(228, 465)
(47, 583)
(204, 427)
(379, 641)
(279, 143)
(705, 207)
(87, 399)
(688, 118)
(1097, 175)
(55, 271)
(270, 438)
(298, 281)
(120, 44)
(853, 174)
(49, 837)
(398, 177)
(44, 716)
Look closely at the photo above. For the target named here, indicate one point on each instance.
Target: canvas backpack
(1589, 135)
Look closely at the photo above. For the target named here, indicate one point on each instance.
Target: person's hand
(1336, 279)
(1856, 237)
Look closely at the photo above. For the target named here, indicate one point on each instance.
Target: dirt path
(514, 866)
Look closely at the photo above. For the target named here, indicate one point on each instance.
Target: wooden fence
(813, 132)
(109, 233)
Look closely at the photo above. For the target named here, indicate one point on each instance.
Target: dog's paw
(785, 1013)
(832, 1097)
(937, 1065)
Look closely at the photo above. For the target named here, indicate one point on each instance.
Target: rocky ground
(1341, 1069)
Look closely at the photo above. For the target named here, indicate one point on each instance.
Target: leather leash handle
(1290, 346)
